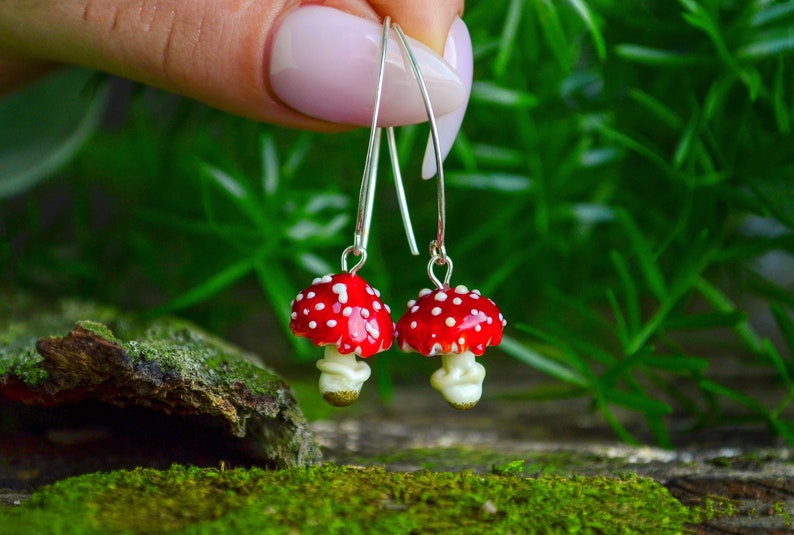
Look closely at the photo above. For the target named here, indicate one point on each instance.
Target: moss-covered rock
(334, 499)
(166, 365)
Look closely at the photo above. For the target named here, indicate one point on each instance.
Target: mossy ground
(543, 463)
(344, 499)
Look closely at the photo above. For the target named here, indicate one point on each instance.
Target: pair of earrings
(346, 315)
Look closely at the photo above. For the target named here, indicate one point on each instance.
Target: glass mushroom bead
(346, 316)
(458, 325)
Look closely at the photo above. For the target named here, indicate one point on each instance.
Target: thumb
(325, 62)
(429, 22)
(223, 53)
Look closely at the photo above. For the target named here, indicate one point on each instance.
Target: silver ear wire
(366, 196)
(438, 253)
(371, 167)
(398, 184)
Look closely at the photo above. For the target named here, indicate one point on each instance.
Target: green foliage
(633, 178)
(657, 175)
(44, 127)
(334, 499)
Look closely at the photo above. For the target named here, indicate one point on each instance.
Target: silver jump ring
(362, 253)
(438, 260)
(438, 251)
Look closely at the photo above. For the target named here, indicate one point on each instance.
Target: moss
(24, 319)
(18, 355)
(179, 348)
(563, 463)
(437, 459)
(165, 364)
(717, 507)
(172, 345)
(779, 509)
(100, 330)
(339, 499)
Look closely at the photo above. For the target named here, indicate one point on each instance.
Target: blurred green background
(623, 187)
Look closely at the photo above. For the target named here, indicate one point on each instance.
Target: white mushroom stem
(459, 379)
(342, 376)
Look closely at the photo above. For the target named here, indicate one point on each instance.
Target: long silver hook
(398, 184)
(365, 196)
(367, 192)
(438, 251)
(373, 157)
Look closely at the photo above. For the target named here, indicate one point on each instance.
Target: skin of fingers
(214, 52)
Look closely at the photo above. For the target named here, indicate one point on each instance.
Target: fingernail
(324, 63)
(457, 52)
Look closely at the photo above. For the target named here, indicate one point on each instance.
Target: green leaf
(504, 97)
(782, 114)
(502, 182)
(493, 155)
(658, 57)
(212, 286)
(589, 18)
(508, 37)
(45, 125)
(238, 191)
(675, 364)
(619, 429)
(734, 395)
(296, 155)
(630, 293)
(659, 429)
(777, 361)
(553, 31)
(588, 213)
(542, 363)
(686, 141)
(620, 320)
(770, 13)
(656, 107)
(620, 369)
(466, 152)
(785, 428)
(270, 167)
(723, 303)
(226, 182)
(686, 279)
(769, 290)
(280, 292)
(637, 402)
(627, 141)
(786, 326)
(706, 320)
(768, 44)
(600, 156)
(640, 245)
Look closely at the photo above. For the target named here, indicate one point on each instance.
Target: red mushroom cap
(343, 310)
(450, 320)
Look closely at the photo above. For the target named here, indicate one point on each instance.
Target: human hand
(300, 64)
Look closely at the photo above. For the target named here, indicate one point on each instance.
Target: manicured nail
(457, 52)
(324, 63)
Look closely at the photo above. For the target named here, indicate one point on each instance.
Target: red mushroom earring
(454, 323)
(345, 314)
(342, 312)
